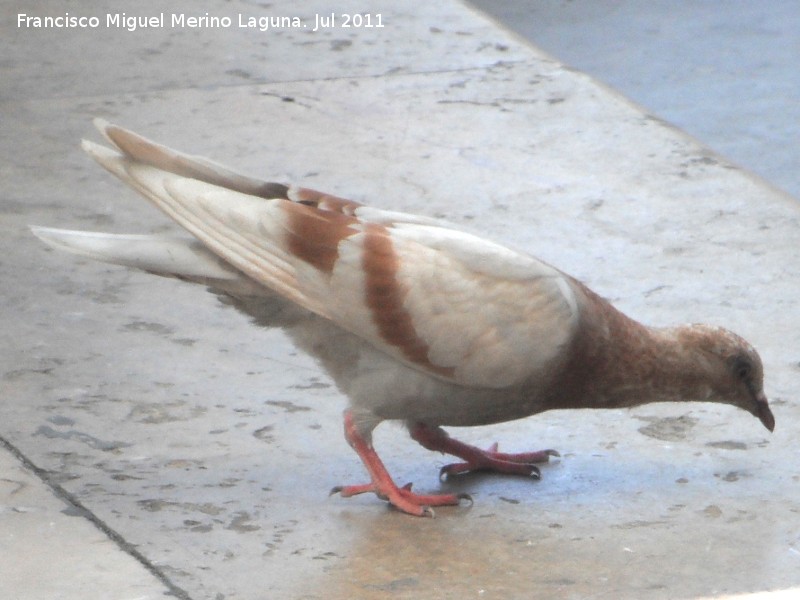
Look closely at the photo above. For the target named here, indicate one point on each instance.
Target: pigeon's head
(735, 369)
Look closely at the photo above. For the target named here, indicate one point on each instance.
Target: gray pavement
(52, 548)
(155, 443)
(725, 71)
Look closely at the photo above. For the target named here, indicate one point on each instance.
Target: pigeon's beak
(763, 412)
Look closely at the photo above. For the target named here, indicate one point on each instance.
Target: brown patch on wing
(322, 201)
(313, 235)
(384, 297)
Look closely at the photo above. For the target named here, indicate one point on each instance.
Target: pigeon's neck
(617, 362)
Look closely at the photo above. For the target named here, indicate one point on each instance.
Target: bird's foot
(402, 498)
(522, 463)
(382, 484)
(475, 459)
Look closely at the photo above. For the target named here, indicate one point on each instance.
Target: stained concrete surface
(46, 546)
(206, 447)
(724, 71)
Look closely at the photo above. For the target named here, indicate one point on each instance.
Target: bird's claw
(465, 496)
(453, 469)
(402, 498)
(493, 460)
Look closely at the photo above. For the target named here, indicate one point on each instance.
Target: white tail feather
(172, 256)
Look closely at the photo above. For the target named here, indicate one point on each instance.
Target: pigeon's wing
(448, 303)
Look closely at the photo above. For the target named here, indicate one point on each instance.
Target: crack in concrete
(78, 509)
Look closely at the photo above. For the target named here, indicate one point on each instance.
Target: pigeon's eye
(742, 368)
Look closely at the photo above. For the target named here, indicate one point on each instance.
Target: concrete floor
(724, 72)
(168, 447)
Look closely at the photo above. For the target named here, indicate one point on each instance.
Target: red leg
(382, 485)
(436, 439)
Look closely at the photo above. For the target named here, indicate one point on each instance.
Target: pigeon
(414, 319)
